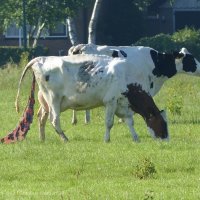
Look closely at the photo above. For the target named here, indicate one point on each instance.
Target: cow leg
(74, 118)
(129, 122)
(56, 124)
(42, 118)
(55, 119)
(110, 112)
(87, 116)
(42, 114)
(126, 114)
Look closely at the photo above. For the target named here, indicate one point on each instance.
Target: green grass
(87, 168)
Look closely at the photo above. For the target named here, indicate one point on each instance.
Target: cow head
(186, 62)
(82, 49)
(157, 125)
(169, 64)
(142, 103)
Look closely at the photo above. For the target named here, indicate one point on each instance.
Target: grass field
(87, 168)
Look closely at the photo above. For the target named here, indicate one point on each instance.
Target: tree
(123, 19)
(91, 28)
(72, 31)
(40, 14)
(124, 23)
(93, 22)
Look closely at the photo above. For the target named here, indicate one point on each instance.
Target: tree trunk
(72, 31)
(39, 31)
(93, 22)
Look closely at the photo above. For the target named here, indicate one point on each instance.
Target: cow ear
(123, 53)
(115, 54)
(178, 55)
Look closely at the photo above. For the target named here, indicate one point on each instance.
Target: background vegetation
(127, 26)
(187, 37)
(16, 54)
(86, 167)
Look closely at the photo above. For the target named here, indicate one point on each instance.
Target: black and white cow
(150, 67)
(82, 82)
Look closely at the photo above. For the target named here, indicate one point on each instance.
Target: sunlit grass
(86, 167)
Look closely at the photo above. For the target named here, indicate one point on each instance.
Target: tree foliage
(39, 13)
(120, 23)
(123, 22)
(187, 37)
(143, 4)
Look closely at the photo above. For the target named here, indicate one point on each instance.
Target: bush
(187, 37)
(14, 54)
(160, 42)
(174, 102)
(145, 169)
(24, 58)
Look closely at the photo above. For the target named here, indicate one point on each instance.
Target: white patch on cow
(152, 133)
(184, 51)
(164, 115)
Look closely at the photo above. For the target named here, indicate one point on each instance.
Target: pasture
(88, 168)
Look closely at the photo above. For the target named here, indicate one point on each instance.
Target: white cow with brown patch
(82, 82)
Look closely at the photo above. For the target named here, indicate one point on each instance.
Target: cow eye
(150, 116)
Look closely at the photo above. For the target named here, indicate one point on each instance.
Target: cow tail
(28, 66)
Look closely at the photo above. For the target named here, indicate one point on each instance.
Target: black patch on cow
(47, 77)
(189, 64)
(115, 54)
(123, 53)
(164, 64)
(84, 73)
(151, 85)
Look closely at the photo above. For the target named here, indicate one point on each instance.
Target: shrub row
(14, 54)
(187, 37)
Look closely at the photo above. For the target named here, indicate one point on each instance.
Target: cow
(150, 67)
(82, 82)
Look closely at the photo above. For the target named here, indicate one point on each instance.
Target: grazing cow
(82, 82)
(150, 67)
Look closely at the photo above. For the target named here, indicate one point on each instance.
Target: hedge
(187, 37)
(14, 54)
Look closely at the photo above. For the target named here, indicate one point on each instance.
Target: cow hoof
(63, 137)
(107, 140)
(42, 141)
(136, 139)
(121, 121)
(65, 140)
(74, 122)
